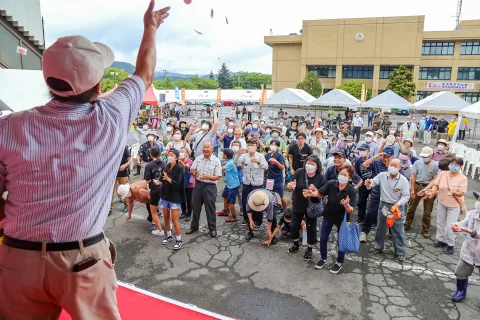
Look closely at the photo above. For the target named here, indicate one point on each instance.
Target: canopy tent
(22, 90)
(386, 101)
(441, 101)
(150, 98)
(290, 97)
(337, 98)
(472, 112)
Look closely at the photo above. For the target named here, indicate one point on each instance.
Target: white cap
(77, 61)
(123, 191)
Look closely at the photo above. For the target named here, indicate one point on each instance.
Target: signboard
(363, 96)
(21, 50)
(219, 95)
(177, 93)
(451, 85)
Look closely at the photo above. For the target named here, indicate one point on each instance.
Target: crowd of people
(382, 178)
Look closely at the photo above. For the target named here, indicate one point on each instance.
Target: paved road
(246, 280)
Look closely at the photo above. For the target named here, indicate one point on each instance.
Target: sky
(118, 23)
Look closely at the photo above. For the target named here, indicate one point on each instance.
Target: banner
(363, 96)
(177, 93)
(263, 96)
(183, 94)
(451, 85)
(219, 95)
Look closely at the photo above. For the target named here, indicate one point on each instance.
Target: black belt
(201, 182)
(61, 246)
(422, 184)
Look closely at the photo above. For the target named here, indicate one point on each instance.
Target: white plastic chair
(452, 144)
(476, 163)
(459, 150)
(468, 161)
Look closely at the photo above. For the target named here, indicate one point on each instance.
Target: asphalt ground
(246, 280)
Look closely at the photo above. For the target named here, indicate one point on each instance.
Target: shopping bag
(349, 235)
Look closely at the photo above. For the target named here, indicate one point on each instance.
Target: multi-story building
(369, 49)
(21, 27)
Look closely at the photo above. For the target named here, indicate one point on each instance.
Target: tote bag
(349, 236)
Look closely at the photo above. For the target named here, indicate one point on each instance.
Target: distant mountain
(128, 67)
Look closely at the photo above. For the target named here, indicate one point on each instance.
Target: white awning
(387, 100)
(22, 89)
(290, 97)
(471, 112)
(442, 101)
(337, 98)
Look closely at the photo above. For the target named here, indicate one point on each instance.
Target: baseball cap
(337, 153)
(175, 151)
(369, 133)
(123, 191)
(78, 61)
(442, 141)
(252, 141)
(403, 159)
(363, 146)
(476, 195)
(390, 140)
(426, 152)
(389, 151)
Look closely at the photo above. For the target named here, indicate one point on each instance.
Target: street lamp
(114, 75)
(164, 74)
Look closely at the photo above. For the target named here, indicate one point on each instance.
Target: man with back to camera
(55, 254)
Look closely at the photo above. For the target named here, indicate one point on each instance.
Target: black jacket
(173, 192)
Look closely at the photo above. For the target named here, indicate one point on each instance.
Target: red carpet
(150, 306)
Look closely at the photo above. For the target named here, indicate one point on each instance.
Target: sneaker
(167, 239)
(244, 222)
(121, 200)
(450, 250)
(183, 215)
(222, 213)
(406, 227)
(320, 264)
(178, 245)
(308, 255)
(109, 212)
(400, 258)
(363, 237)
(156, 232)
(258, 227)
(274, 241)
(426, 235)
(439, 244)
(250, 236)
(336, 268)
(373, 250)
(293, 249)
(125, 209)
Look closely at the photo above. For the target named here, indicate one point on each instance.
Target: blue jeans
(398, 231)
(326, 229)
(372, 214)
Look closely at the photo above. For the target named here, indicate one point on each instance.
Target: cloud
(239, 44)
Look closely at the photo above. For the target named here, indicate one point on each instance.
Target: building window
(429, 73)
(324, 71)
(470, 47)
(326, 90)
(470, 97)
(358, 72)
(468, 74)
(423, 94)
(380, 91)
(438, 48)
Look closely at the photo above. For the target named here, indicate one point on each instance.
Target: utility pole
(164, 75)
(458, 15)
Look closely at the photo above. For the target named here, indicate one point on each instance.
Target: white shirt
(408, 132)
(357, 122)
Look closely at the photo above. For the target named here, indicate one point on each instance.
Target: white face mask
(235, 149)
(145, 127)
(310, 168)
(251, 149)
(255, 126)
(171, 159)
(392, 131)
(274, 148)
(230, 130)
(262, 123)
(350, 144)
(150, 138)
(392, 170)
(205, 126)
(342, 179)
(182, 155)
(169, 129)
(268, 131)
(231, 124)
(325, 133)
(362, 153)
(177, 137)
(281, 124)
(441, 147)
(368, 139)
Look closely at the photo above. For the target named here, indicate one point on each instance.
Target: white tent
(472, 112)
(442, 101)
(22, 89)
(337, 98)
(290, 97)
(387, 100)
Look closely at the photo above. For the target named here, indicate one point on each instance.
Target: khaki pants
(118, 180)
(427, 209)
(427, 137)
(38, 284)
(442, 136)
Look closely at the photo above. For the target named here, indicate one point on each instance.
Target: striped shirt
(209, 167)
(59, 161)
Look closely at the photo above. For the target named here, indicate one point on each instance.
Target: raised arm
(147, 54)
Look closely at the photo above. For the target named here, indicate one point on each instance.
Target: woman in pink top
(449, 186)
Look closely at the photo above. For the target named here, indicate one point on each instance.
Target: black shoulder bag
(314, 210)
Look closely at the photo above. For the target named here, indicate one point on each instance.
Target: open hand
(292, 185)
(155, 18)
(128, 217)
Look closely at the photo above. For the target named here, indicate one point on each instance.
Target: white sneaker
(158, 233)
(363, 237)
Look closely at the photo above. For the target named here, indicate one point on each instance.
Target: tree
(182, 83)
(212, 77)
(251, 80)
(223, 77)
(167, 84)
(401, 82)
(355, 89)
(109, 80)
(311, 84)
